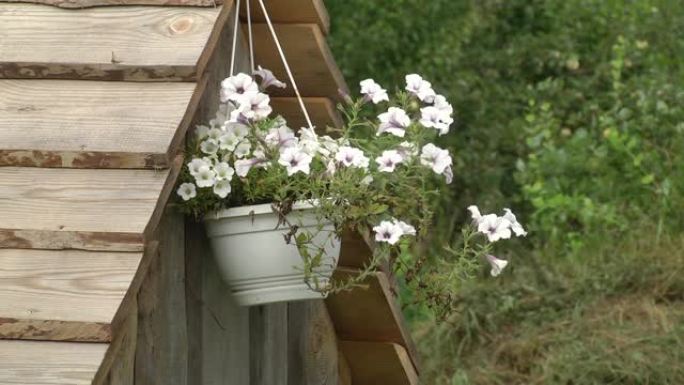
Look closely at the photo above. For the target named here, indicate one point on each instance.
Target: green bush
(570, 110)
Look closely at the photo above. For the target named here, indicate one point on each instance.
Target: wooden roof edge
(283, 12)
(80, 4)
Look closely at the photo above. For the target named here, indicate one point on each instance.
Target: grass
(614, 315)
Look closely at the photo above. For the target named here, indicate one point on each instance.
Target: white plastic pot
(255, 260)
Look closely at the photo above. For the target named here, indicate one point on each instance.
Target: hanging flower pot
(256, 261)
(379, 174)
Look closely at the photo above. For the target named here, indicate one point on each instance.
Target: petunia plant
(380, 175)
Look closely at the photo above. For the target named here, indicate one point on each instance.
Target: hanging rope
(287, 66)
(249, 36)
(235, 34)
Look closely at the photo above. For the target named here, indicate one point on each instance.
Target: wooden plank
(96, 3)
(268, 344)
(122, 371)
(113, 43)
(40, 288)
(161, 343)
(369, 313)
(374, 363)
(345, 370)
(92, 124)
(322, 112)
(313, 66)
(47, 208)
(290, 12)
(312, 345)
(49, 363)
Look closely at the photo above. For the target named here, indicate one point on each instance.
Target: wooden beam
(75, 4)
(62, 294)
(313, 66)
(322, 112)
(85, 209)
(374, 363)
(290, 12)
(93, 124)
(369, 313)
(111, 43)
(49, 363)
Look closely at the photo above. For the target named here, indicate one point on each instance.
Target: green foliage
(594, 319)
(573, 109)
(569, 107)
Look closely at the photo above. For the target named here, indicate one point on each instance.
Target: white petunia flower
(435, 158)
(388, 160)
(242, 149)
(329, 145)
(206, 177)
(209, 146)
(351, 157)
(515, 226)
(228, 142)
(497, 264)
(187, 191)
(251, 107)
(388, 232)
(196, 164)
(444, 108)
(215, 133)
(373, 91)
(223, 171)
(268, 79)
(432, 117)
(237, 86)
(238, 129)
(475, 214)
(295, 160)
(201, 132)
(406, 229)
(368, 179)
(494, 227)
(420, 88)
(395, 121)
(222, 188)
(242, 166)
(281, 137)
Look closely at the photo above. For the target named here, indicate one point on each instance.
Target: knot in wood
(181, 24)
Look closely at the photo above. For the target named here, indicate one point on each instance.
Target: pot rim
(260, 209)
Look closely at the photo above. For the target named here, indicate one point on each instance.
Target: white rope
(287, 66)
(249, 33)
(235, 34)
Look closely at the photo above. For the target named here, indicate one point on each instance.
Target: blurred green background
(569, 112)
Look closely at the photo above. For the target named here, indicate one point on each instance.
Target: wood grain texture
(91, 124)
(322, 112)
(50, 330)
(370, 313)
(374, 363)
(56, 204)
(290, 12)
(313, 66)
(49, 363)
(113, 43)
(161, 342)
(75, 4)
(312, 345)
(64, 285)
(268, 348)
